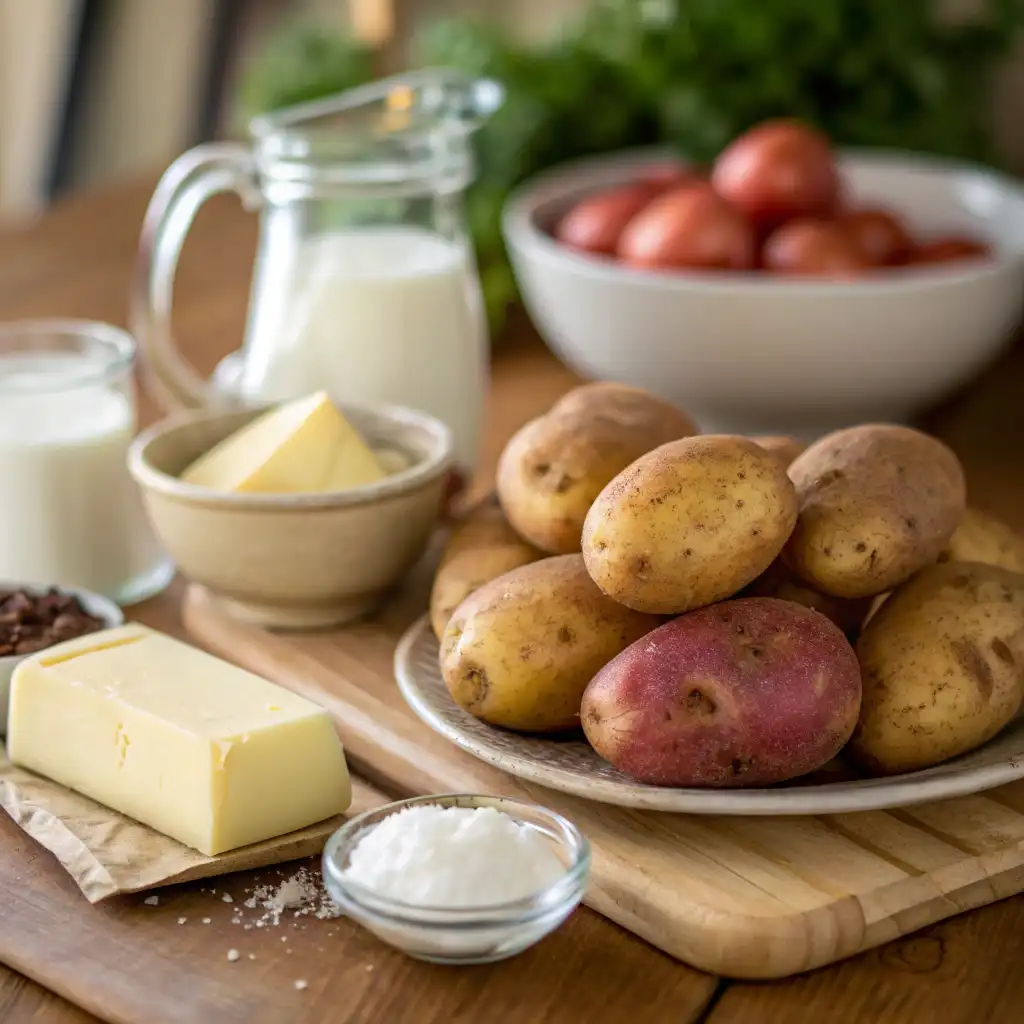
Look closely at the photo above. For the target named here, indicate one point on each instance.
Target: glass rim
(119, 344)
(534, 905)
(299, 120)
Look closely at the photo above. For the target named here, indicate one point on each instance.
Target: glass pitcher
(365, 284)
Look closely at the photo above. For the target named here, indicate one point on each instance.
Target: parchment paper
(107, 853)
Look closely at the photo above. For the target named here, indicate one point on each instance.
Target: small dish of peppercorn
(34, 617)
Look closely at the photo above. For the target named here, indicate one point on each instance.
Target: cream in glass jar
(378, 313)
(365, 285)
(70, 514)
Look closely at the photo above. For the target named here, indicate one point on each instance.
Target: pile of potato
(692, 601)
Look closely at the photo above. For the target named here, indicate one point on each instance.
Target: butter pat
(200, 750)
(303, 447)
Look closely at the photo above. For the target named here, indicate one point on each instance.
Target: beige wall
(34, 35)
(150, 71)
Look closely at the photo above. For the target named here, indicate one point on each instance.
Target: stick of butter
(200, 750)
(302, 447)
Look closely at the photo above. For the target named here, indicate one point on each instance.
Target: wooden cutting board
(131, 962)
(739, 897)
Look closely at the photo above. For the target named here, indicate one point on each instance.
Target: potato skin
(877, 503)
(778, 580)
(786, 448)
(688, 524)
(943, 667)
(743, 693)
(983, 538)
(520, 650)
(629, 406)
(480, 548)
(555, 466)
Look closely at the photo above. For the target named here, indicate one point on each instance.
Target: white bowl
(94, 604)
(753, 353)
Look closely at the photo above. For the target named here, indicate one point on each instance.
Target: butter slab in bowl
(296, 561)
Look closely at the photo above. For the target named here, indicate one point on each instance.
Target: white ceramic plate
(573, 767)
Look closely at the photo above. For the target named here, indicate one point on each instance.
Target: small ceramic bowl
(94, 604)
(463, 935)
(296, 561)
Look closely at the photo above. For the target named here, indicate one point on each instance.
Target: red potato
(879, 234)
(595, 223)
(776, 171)
(672, 175)
(813, 248)
(950, 250)
(748, 692)
(689, 228)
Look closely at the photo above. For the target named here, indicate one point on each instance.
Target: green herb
(305, 62)
(691, 74)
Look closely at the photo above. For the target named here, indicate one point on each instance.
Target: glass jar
(364, 284)
(70, 514)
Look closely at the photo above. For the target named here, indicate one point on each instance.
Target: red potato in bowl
(673, 175)
(950, 250)
(879, 234)
(778, 170)
(688, 228)
(748, 692)
(814, 248)
(595, 223)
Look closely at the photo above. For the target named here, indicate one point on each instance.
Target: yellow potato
(942, 663)
(688, 524)
(555, 466)
(778, 580)
(629, 406)
(786, 448)
(983, 538)
(877, 503)
(875, 604)
(481, 548)
(483, 523)
(520, 650)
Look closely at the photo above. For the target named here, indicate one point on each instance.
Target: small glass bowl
(463, 935)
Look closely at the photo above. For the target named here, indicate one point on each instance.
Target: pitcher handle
(190, 181)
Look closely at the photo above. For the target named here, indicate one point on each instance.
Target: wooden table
(77, 260)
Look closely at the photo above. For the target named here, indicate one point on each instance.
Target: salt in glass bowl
(461, 935)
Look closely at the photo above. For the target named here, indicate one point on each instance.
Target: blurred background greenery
(686, 73)
(96, 90)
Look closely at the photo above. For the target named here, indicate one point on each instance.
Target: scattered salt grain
(301, 984)
(302, 895)
(182, 920)
(252, 956)
(233, 955)
(206, 920)
(227, 899)
(151, 901)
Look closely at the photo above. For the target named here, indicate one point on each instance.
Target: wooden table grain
(76, 261)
